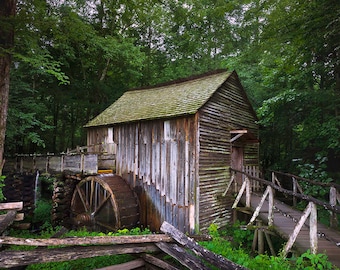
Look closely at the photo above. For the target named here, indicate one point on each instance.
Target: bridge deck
(285, 219)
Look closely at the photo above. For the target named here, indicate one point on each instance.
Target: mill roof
(178, 98)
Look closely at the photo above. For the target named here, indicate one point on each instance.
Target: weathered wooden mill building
(175, 143)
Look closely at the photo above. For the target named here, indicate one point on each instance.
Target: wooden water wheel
(104, 203)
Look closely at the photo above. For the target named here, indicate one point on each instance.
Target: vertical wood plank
(313, 229)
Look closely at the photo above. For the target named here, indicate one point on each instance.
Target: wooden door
(237, 161)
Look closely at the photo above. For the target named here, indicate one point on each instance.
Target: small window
(110, 138)
(167, 130)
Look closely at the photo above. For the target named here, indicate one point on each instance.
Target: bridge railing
(296, 184)
(271, 187)
(79, 163)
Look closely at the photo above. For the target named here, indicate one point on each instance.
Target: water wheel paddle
(104, 203)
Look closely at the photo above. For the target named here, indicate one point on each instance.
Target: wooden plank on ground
(158, 262)
(126, 266)
(8, 220)
(94, 240)
(180, 254)
(217, 260)
(18, 217)
(19, 258)
(11, 206)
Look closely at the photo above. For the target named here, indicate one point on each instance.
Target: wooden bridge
(301, 229)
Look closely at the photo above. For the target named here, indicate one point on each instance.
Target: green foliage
(2, 184)
(310, 261)
(72, 61)
(221, 245)
(289, 72)
(42, 212)
(317, 172)
(240, 237)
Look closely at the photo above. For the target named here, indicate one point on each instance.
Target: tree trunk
(7, 12)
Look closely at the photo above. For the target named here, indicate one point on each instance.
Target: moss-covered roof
(175, 99)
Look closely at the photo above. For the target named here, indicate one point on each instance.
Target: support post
(333, 201)
(310, 210)
(239, 195)
(248, 191)
(270, 244)
(260, 238)
(313, 229)
(270, 207)
(267, 192)
(294, 190)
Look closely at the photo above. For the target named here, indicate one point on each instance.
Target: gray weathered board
(77, 163)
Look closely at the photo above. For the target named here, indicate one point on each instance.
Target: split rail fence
(146, 247)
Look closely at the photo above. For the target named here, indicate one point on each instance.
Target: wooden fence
(173, 242)
(331, 188)
(83, 159)
(12, 214)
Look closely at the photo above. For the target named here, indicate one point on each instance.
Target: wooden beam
(181, 255)
(310, 210)
(239, 131)
(236, 137)
(19, 258)
(158, 262)
(94, 240)
(267, 192)
(126, 266)
(18, 217)
(11, 206)
(219, 261)
(7, 221)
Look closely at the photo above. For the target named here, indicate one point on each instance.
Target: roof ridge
(180, 80)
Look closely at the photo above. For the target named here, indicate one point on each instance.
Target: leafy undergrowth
(240, 255)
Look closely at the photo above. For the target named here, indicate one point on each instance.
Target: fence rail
(333, 191)
(173, 242)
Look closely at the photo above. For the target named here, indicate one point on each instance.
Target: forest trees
(7, 13)
(298, 71)
(73, 58)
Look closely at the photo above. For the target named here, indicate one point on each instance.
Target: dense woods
(71, 59)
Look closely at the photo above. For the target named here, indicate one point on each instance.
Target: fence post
(270, 206)
(239, 195)
(294, 190)
(313, 229)
(332, 201)
(310, 210)
(247, 191)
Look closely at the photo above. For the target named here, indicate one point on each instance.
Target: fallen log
(217, 260)
(93, 240)
(20, 258)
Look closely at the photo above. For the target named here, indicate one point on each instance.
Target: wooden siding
(158, 160)
(227, 110)
(100, 140)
